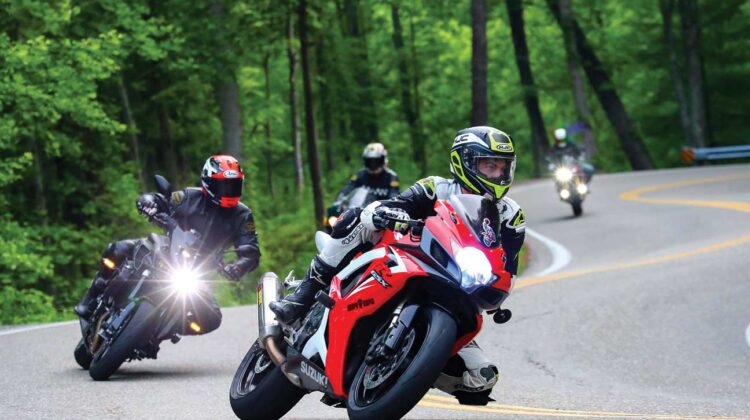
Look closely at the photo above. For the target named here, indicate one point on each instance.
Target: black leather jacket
(381, 186)
(218, 226)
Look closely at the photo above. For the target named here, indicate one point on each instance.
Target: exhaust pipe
(270, 290)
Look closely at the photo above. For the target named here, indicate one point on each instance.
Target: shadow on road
(140, 374)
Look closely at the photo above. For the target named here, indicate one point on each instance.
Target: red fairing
(364, 299)
(388, 269)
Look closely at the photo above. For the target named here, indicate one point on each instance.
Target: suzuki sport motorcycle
(394, 315)
(144, 302)
(358, 197)
(571, 182)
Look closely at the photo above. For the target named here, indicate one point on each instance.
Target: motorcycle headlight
(184, 280)
(563, 174)
(582, 189)
(332, 221)
(475, 267)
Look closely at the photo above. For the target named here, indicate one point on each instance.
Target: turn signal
(195, 327)
(108, 263)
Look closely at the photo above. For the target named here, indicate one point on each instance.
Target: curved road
(648, 319)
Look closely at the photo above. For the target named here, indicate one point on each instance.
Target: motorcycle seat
(321, 239)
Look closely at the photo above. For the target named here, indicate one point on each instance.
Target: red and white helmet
(222, 180)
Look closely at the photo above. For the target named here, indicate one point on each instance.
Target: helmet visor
(225, 187)
(497, 170)
(374, 163)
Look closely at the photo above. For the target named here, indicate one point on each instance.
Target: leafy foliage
(68, 173)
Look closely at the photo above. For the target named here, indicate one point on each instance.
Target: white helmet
(375, 157)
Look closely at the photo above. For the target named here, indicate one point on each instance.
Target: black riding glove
(151, 204)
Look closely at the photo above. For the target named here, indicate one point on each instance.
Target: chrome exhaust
(270, 290)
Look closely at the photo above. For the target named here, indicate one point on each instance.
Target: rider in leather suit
(380, 180)
(482, 162)
(215, 212)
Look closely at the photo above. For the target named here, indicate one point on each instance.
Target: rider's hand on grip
(151, 204)
(393, 219)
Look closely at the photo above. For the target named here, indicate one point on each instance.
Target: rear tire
(136, 332)
(428, 357)
(82, 355)
(259, 388)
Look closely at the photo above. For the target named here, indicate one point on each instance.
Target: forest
(97, 96)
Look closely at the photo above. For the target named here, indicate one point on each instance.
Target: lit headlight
(564, 194)
(563, 174)
(582, 189)
(184, 280)
(475, 267)
(332, 221)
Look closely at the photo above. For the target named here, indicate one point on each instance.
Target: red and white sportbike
(394, 316)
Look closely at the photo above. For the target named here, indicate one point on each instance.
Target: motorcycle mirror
(163, 186)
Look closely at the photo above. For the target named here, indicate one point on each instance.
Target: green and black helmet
(469, 147)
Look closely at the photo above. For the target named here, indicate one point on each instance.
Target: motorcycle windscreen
(481, 215)
(360, 197)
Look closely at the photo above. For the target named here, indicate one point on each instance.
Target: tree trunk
(579, 93)
(415, 87)
(132, 132)
(417, 140)
(531, 99)
(40, 195)
(364, 116)
(608, 98)
(691, 40)
(666, 7)
(227, 91)
(267, 126)
(478, 62)
(312, 148)
(325, 101)
(167, 147)
(231, 117)
(299, 177)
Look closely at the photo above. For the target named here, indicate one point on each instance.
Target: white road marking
(747, 335)
(35, 327)
(560, 255)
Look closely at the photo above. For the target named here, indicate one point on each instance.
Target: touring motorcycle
(394, 315)
(571, 182)
(145, 302)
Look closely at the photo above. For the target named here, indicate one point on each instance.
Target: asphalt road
(648, 319)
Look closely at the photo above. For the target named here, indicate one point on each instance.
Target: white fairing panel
(317, 343)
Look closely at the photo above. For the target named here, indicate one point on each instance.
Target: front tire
(82, 355)
(259, 388)
(416, 371)
(136, 332)
(577, 208)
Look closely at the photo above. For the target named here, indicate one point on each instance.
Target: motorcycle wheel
(389, 388)
(577, 208)
(82, 355)
(136, 331)
(259, 388)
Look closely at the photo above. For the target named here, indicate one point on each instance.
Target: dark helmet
(375, 157)
(469, 147)
(222, 180)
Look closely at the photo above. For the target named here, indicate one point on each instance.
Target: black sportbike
(146, 300)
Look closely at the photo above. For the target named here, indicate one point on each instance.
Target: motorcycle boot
(85, 306)
(318, 277)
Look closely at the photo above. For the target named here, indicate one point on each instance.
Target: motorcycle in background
(571, 182)
(358, 197)
(144, 302)
(394, 315)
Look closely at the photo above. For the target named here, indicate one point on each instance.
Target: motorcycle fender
(122, 316)
(312, 377)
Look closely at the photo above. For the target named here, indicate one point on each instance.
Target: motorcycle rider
(563, 147)
(380, 180)
(482, 161)
(215, 212)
